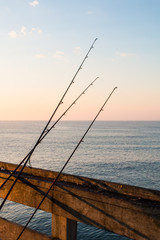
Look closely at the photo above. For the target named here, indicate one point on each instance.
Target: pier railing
(130, 211)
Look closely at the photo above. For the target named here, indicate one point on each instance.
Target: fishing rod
(28, 156)
(48, 130)
(59, 174)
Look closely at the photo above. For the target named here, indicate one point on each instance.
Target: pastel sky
(43, 42)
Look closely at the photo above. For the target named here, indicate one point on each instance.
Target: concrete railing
(126, 210)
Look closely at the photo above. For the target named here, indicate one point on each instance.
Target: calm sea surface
(124, 152)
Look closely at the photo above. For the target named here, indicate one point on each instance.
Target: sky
(43, 43)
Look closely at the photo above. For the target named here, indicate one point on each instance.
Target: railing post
(63, 228)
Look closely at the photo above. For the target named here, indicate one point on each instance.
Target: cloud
(59, 55)
(23, 30)
(36, 30)
(40, 55)
(39, 30)
(89, 12)
(78, 50)
(125, 54)
(12, 34)
(34, 3)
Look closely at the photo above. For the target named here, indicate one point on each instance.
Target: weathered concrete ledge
(126, 210)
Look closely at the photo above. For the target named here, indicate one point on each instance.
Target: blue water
(124, 152)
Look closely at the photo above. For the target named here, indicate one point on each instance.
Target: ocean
(126, 152)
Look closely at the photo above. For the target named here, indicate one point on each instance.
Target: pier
(126, 210)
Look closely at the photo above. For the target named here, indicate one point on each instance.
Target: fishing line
(55, 180)
(28, 156)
